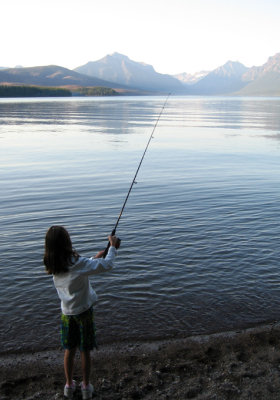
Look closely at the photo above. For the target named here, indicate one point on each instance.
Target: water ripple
(199, 233)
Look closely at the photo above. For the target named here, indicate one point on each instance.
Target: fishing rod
(134, 179)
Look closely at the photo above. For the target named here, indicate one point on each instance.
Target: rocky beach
(231, 365)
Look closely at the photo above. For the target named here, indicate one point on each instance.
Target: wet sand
(232, 365)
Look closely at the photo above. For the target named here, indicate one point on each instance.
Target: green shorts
(78, 331)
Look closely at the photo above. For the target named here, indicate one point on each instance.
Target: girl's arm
(113, 242)
(99, 254)
(98, 264)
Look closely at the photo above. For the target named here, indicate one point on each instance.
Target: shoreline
(243, 364)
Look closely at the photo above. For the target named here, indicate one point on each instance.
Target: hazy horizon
(159, 71)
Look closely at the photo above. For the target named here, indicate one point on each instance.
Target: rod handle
(108, 245)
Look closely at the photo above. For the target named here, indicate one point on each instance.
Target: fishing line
(135, 176)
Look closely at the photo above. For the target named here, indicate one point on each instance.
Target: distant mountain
(51, 75)
(272, 65)
(120, 69)
(224, 80)
(190, 79)
(263, 80)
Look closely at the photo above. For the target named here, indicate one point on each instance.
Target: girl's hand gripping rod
(133, 181)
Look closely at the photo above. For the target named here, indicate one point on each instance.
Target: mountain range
(126, 76)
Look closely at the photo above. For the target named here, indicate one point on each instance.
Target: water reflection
(230, 113)
(123, 115)
(108, 117)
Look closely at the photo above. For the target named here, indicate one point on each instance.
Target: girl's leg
(69, 357)
(86, 364)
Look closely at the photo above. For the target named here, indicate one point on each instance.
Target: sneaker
(87, 391)
(69, 390)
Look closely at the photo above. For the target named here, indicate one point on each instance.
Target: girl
(70, 276)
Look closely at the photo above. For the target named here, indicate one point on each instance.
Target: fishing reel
(108, 245)
(118, 243)
(118, 239)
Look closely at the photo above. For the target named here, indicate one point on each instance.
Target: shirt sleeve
(93, 266)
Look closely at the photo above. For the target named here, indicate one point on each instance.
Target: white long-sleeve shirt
(73, 287)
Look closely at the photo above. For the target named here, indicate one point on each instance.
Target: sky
(173, 36)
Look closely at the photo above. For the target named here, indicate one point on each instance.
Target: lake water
(200, 232)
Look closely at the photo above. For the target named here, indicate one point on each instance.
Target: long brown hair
(59, 252)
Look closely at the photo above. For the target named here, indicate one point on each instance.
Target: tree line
(33, 91)
(38, 91)
(94, 91)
